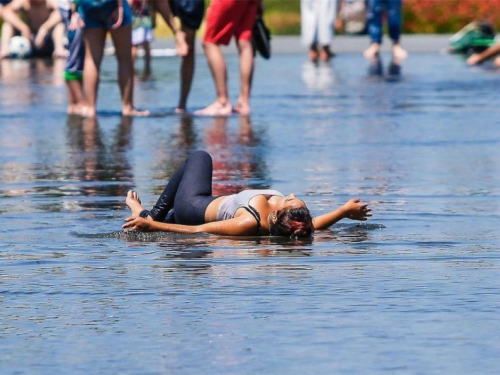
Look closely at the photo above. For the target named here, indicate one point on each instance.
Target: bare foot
(326, 54)
(496, 62)
(72, 109)
(134, 202)
(372, 51)
(180, 111)
(242, 108)
(135, 112)
(216, 109)
(313, 55)
(398, 52)
(88, 112)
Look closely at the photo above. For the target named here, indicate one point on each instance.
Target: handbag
(261, 38)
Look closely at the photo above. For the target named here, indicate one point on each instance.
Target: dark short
(5, 2)
(190, 12)
(45, 50)
(74, 63)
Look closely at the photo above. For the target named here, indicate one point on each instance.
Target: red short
(228, 18)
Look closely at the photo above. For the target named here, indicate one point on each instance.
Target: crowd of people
(320, 18)
(76, 30)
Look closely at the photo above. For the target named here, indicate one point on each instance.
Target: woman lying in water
(248, 213)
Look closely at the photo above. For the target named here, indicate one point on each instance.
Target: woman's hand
(356, 211)
(75, 22)
(474, 59)
(26, 32)
(117, 17)
(137, 223)
(181, 46)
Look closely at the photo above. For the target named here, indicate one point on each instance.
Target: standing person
(142, 31)
(317, 27)
(73, 70)
(190, 13)
(375, 10)
(98, 17)
(225, 19)
(44, 21)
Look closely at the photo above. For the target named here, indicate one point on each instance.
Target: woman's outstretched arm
(239, 226)
(352, 209)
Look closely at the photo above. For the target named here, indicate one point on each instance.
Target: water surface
(413, 290)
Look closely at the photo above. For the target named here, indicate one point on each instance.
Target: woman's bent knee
(200, 155)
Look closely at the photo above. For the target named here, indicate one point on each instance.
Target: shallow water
(413, 290)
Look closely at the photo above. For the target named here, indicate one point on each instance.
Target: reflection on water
(376, 69)
(236, 162)
(96, 156)
(418, 281)
(318, 75)
(36, 73)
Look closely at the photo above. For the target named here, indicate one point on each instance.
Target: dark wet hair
(292, 222)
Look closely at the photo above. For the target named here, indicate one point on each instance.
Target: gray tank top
(232, 203)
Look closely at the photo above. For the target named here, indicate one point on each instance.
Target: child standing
(142, 31)
(73, 70)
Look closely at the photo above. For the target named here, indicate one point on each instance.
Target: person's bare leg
(372, 51)
(76, 99)
(313, 52)
(7, 33)
(134, 56)
(147, 59)
(187, 69)
(71, 110)
(122, 40)
(58, 34)
(246, 75)
(94, 39)
(326, 53)
(217, 64)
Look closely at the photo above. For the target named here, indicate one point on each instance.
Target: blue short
(4, 2)
(97, 13)
(190, 12)
(74, 62)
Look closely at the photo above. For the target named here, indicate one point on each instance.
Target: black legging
(189, 192)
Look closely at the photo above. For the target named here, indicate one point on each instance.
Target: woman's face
(290, 201)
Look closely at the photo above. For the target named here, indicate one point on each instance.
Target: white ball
(19, 47)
